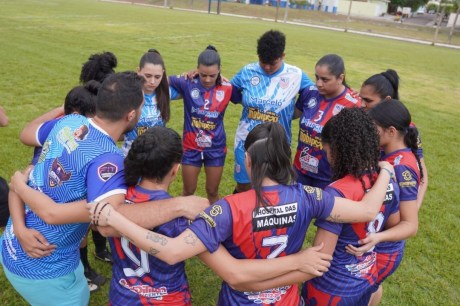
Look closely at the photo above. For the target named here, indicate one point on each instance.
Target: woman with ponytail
(266, 222)
(206, 98)
(156, 110)
(382, 87)
(399, 143)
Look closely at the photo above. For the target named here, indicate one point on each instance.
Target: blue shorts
(387, 264)
(215, 158)
(240, 174)
(68, 290)
(314, 296)
(310, 181)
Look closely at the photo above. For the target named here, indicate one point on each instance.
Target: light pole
(348, 16)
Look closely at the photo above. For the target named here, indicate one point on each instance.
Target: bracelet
(389, 172)
(100, 211)
(94, 214)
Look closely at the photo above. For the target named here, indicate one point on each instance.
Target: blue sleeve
(320, 203)
(176, 83)
(300, 100)
(305, 82)
(173, 93)
(335, 228)
(237, 88)
(408, 183)
(105, 177)
(44, 130)
(214, 225)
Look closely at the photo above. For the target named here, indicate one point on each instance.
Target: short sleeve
(408, 183)
(214, 225)
(320, 203)
(44, 130)
(105, 177)
(175, 84)
(305, 82)
(335, 228)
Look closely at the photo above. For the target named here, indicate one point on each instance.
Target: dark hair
(152, 155)
(394, 113)
(270, 46)
(119, 94)
(98, 67)
(354, 145)
(270, 153)
(162, 91)
(385, 84)
(335, 65)
(210, 57)
(82, 99)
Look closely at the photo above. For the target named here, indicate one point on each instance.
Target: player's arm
(348, 211)
(242, 273)
(28, 135)
(3, 117)
(423, 184)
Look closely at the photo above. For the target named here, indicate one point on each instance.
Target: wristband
(389, 172)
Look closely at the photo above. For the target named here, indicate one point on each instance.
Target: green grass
(44, 43)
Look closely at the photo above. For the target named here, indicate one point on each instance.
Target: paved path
(418, 41)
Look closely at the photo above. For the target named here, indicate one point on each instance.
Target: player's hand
(388, 166)
(312, 261)
(100, 213)
(367, 244)
(34, 243)
(19, 178)
(192, 205)
(189, 75)
(224, 79)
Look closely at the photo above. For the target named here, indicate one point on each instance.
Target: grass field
(44, 43)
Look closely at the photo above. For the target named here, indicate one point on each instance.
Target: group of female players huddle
(358, 170)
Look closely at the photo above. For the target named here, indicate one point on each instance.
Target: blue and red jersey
(141, 279)
(263, 232)
(351, 276)
(408, 176)
(310, 159)
(204, 110)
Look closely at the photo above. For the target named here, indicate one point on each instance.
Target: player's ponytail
(385, 84)
(152, 56)
(411, 141)
(210, 57)
(270, 155)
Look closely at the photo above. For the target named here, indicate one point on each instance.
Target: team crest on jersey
(311, 103)
(397, 160)
(308, 162)
(195, 93)
(364, 266)
(407, 176)
(350, 98)
(220, 95)
(269, 296)
(255, 80)
(202, 140)
(337, 109)
(216, 210)
(57, 174)
(281, 216)
(106, 171)
(284, 82)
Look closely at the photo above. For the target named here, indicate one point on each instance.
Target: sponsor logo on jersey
(256, 100)
(57, 174)
(202, 140)
(311, 103)
(208, 125)
(309, 189)
(208, 219)
(408, 180)
(66, 138)
(350, 98)
(397, 160)
(45, 150)
(220, 95)
(313, 87)
(255, 80)
(106, 171)
(269, 296)
(284, 82)
(195, 93)
(308, 162)
(407, 176)
(314, 141)
(265, 218)
(362, 268)
(337, 109)
(257, 114)
(318, 128)
(206, 113)
(216, 210)
(141, 130)
(390, 194)
(145, 290)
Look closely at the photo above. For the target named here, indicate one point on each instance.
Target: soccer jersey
(408, 177)
(310, 159)
(349, 275)
(204, 110)
(141, 279)
(78, 161)
(264, 232)
(267, 98)
(150, 116)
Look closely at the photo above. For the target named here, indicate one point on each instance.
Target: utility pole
(438, 21)
(348, 16)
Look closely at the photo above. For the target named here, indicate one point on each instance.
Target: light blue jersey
(78, 161)
(265, 98)
(150, 116)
